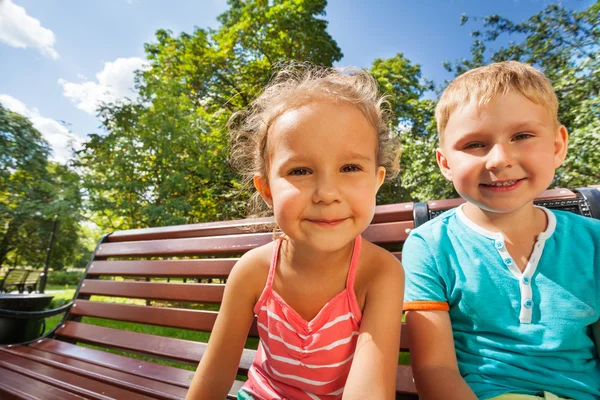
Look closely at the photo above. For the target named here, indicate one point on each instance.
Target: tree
(163, 159)
(32, 191)
(565, 45)
(23, 156)
(420, 178)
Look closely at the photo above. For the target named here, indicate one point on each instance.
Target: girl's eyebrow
(358, 156)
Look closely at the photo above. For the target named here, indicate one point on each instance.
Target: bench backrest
(177, 272)
(14, 279)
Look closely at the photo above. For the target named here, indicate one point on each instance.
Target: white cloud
(115, 82)
(17, 29)
(58, 136)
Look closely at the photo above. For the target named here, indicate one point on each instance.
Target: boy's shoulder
(435, 229)
(575, 225)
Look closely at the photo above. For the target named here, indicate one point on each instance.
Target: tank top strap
(353, 263)
(273, 266)
(269, 284)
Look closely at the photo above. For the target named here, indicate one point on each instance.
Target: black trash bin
(18, 327)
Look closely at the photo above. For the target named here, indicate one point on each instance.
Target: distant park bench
(71, 362)
(21, 280)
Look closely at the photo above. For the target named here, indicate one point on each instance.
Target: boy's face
(501, 155)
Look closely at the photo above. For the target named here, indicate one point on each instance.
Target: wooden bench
(14, 279)
(72, 361)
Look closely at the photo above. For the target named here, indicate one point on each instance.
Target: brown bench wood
(77, 359)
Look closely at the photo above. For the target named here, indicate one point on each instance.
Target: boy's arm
(219, 364)
(373, 371)
(433, 357)
(596, 330)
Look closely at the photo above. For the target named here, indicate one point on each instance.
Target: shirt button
(508, 261)
(525, 280)
(499, 245)
(528, 303)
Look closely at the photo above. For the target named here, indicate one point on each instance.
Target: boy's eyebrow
(527, 124)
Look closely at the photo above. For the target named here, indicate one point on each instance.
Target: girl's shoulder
(252, 269)
(374, 266)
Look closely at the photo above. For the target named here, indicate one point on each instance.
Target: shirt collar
(498, 235)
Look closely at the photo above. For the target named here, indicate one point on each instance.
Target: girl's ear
(380, 176)
(443, 164)
(262, 186)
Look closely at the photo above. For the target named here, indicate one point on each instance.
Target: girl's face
(322, 174)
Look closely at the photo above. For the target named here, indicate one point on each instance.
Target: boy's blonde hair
(481, 85)
(292, 87)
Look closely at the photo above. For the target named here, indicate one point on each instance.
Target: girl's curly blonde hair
(292, 87)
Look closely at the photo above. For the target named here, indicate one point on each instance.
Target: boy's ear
(262, 187)
(443, 164)
(561, 143)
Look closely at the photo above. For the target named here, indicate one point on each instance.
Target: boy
(503, 296)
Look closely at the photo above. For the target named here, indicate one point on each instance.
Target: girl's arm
(219, 364)
(373, 371)
(433, 357)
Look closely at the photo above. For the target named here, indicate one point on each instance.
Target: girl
(316, 145)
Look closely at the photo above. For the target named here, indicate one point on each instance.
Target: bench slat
(205, 268)
(15, 386)
(86, 387)
(383, 213)
(198, 320)
(220, 228)
(121, 379)
(404, 380)
(185, 247)
(193, 292)
(384, 233)
(147, 369)
(157, 372)
(180, 350)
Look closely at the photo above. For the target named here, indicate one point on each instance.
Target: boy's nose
(326, 190)
(500, 157)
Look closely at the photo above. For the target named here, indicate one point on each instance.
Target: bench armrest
(34, 314)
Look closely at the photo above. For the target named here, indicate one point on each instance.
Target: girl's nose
(326, 190)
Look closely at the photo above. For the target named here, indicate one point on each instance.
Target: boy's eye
(522, 136)
(299, 172)
(473, 146)
(351, 168)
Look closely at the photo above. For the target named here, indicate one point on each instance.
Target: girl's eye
(299, 172)
(351, 168)
(473, 146)
(522, 136)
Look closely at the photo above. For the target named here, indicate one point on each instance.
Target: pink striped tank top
(297, 359)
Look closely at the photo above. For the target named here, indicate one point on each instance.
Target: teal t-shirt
(513, 332)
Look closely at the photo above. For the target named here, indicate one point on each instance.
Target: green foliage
(32, 191)
(420, 177)
(62, 278)
(163, 160)
(565, 45)
(163, 157)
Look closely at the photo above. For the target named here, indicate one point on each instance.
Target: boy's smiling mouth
(504, 185)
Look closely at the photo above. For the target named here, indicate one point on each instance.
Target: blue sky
(58, 58)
